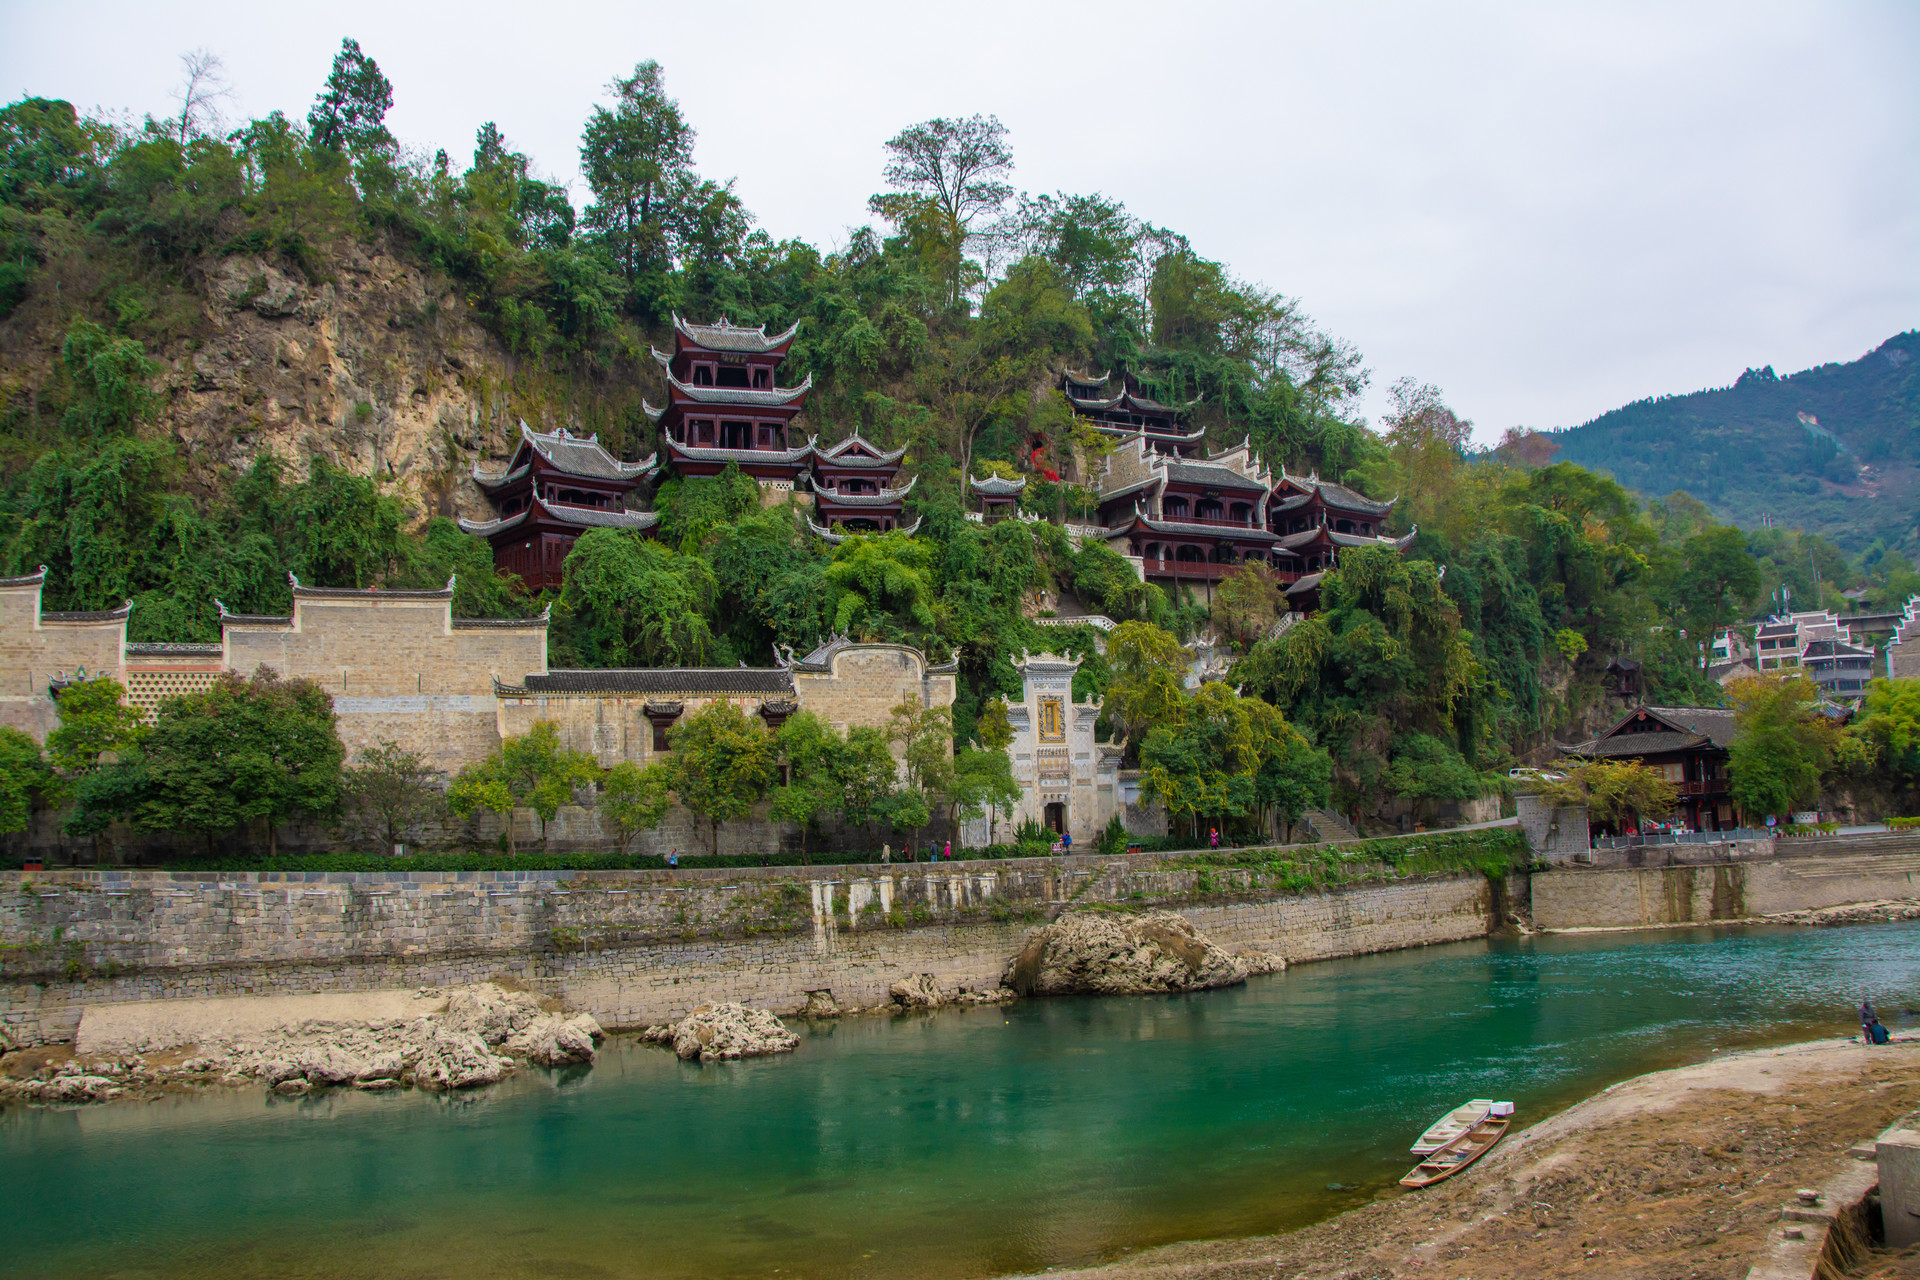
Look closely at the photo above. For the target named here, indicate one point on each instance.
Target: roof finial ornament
(293, 580)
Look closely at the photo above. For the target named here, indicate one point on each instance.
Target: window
(659, 735)
(1670, 772)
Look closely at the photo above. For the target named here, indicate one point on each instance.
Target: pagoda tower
(725, 405)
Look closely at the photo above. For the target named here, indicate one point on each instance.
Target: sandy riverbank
(1675, 1175)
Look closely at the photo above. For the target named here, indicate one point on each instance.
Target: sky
(1547, 210)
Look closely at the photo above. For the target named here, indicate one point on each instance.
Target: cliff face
(377, 367)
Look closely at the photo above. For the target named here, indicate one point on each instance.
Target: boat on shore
(1452, 1125)
(1463, 1150)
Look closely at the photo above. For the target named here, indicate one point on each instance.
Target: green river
(957, 1144)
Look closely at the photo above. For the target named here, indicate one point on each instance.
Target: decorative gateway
(1068, 782)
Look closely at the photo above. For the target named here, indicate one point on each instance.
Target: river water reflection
(958, 1144)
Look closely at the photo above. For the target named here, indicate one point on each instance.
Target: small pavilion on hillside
(853, 486)
(556, 487)
(999, 497)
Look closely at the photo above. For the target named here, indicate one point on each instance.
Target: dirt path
(1672, 1176)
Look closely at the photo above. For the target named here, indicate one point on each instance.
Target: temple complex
(1128, 412)
(1195, 522)
(555, 488)
(725, 404)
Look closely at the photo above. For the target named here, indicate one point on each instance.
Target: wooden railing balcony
(1215, 522)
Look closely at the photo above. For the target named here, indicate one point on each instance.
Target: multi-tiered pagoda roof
(1129, 412)
(555, 487)
(725, 404)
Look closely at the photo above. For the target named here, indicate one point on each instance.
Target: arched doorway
(1056, 818)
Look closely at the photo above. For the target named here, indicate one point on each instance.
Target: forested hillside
(227, 354)
(1834, 449)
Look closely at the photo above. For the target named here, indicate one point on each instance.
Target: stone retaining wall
(635, 947)
(1857, 869)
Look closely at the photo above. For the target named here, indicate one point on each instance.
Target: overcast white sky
(1546, 209)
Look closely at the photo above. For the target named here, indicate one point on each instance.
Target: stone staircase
(1328, 825)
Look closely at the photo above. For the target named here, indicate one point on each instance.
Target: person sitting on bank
(1868, 1018)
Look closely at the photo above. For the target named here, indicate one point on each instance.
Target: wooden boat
(1452, 1125)
(1458, 1154)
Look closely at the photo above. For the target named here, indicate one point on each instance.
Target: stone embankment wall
(637, 947)
(1749, 879)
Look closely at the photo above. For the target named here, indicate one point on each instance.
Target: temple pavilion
(999, 497)
(725, 404)
(854, 487)
(1128, 412)
(556, 487)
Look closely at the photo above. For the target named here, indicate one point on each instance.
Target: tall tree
(530, 771)
(1781, 743)
(634, 799)
(203, 87)
(350, 113)
(637, 157)
(388, 788)
(948, 175)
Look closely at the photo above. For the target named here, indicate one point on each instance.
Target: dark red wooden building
(1129, 411)
(853, 486)
(1688, 746)
(725, 404)
(555, 488)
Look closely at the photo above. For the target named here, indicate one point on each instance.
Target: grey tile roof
(1305, 583)
(1338, 495)
(732, 337)
(88, 615)
(538, 622)
(563, 513)
(492, 480)
(998, 486)
(587, 457)
(301, 592)
(881, 457)
(706, 453)
(828, 535)
(881, 498)
(772, 396)
(1211, 476)
(172, 649)
(30, 580)
(1223, 532)
(692, 682)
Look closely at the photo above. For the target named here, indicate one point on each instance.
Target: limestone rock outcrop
(925, 991)
(477, 1039)
(1107, 953)
(722, 1032)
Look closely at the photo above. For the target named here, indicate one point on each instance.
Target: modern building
(556, 486)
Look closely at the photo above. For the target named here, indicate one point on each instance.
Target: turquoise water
(959, 1144)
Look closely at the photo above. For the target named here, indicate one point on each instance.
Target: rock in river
(723, 1031)
(1104, 953)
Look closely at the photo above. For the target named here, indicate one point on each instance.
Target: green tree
(983, 783)
(864, 774)
(947, 176)
(1886, 730)
(1781, 743)
(810, 751)
(1613, 791)
(723, 763)
(24, 777)
(628, 601)
(245, 750)
(1148, 684)
(924, 736)
(529, 771)
(634, 799)
(881, 581)
(94, 720)
(350, 113)
(388, 788)
(1721, 579)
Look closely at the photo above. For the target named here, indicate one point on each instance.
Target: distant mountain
(1834, 450)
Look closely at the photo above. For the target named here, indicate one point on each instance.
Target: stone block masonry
(635, 947)
(1824, 874)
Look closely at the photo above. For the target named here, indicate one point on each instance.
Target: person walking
(1213, 837)
(673, 859)
(886, 854)
(948, 850)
